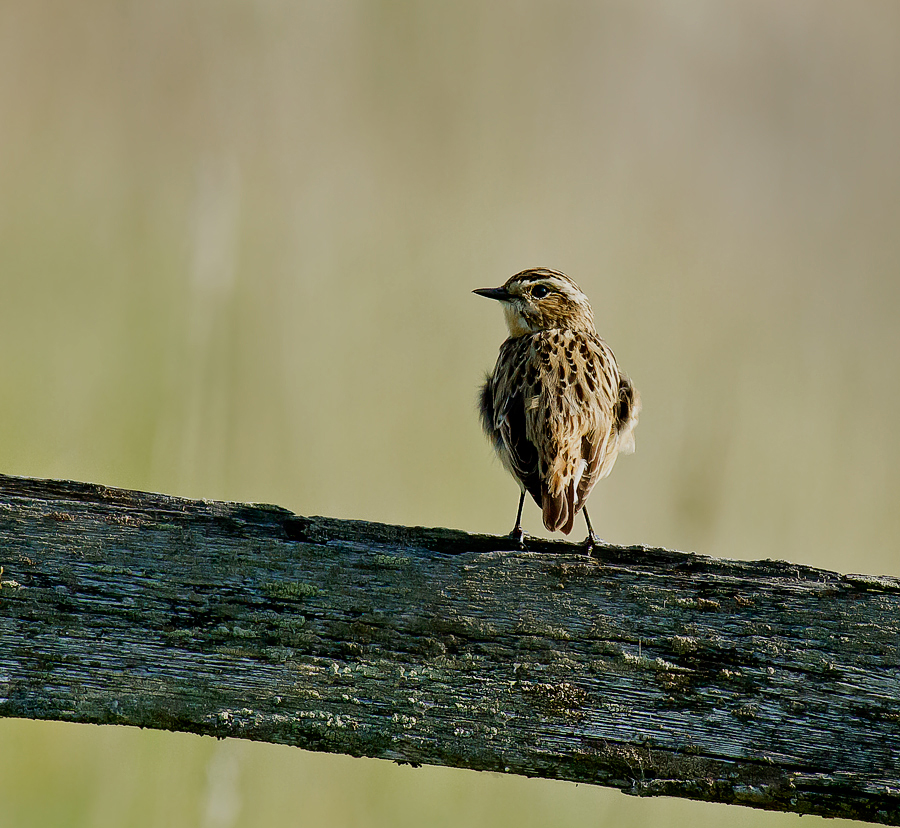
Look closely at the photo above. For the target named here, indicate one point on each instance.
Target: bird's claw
(592, 544)
(518, 537)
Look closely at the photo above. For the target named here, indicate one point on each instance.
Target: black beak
(501, 294)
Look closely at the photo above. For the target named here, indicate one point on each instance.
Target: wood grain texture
(651, 671)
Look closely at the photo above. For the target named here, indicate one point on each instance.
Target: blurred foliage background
(237, 244)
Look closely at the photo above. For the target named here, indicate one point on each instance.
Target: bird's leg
(592, 541)
(517, 534)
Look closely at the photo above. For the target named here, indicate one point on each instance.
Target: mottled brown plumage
(556, 406)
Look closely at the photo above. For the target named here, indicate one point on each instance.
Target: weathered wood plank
(655, 672)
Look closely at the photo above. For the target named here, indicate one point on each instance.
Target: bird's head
(541, 299)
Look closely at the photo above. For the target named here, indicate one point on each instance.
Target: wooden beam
(655, 672)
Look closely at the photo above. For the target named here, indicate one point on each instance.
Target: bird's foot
(518, 537)
(592, 544)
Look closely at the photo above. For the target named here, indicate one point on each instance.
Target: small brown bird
(556, 406)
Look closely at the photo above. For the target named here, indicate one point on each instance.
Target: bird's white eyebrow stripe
(562, 285)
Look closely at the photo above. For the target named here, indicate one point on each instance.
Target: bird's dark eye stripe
(540, 291)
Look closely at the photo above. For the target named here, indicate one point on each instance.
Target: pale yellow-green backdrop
(237, 244)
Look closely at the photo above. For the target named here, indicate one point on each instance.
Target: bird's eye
(540, 291)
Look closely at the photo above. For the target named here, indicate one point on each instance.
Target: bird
(556, 406)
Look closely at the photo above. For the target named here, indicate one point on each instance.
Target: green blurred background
(237, 244)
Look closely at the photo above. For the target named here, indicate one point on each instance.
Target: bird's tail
(559, 508)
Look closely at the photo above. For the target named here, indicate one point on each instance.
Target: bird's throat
(518, 325)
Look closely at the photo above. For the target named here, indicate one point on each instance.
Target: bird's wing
(510, 395)
(627, 410)
(599, 444)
